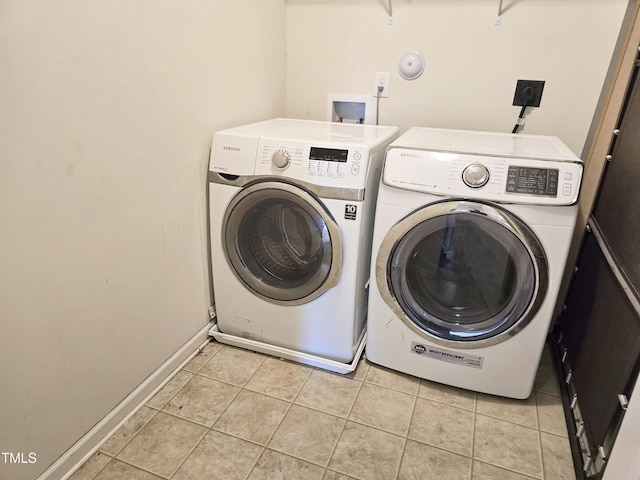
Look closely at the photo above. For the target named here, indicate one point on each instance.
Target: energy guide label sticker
(350, 212)
(447, 355)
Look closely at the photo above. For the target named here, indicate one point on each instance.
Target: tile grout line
(492, 417)
(205, 433)
(142, 469)
(473, 434)
(535, 400)
(346, 420)
(119, 451)
(240, 389)
(403, 375)
(134, 435)
(537, 429)
(208, 429)
(406, 437)
(509, 468)
(111, 459)
(291, 403)
(156, 409)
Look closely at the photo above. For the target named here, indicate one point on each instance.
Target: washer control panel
(516, 180)
(342, 166)
(331, 162)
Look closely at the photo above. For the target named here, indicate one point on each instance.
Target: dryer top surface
(540, 147)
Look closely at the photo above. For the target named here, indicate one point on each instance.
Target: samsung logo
(411, 155)
(233, 149)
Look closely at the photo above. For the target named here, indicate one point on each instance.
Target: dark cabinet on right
(597, 337)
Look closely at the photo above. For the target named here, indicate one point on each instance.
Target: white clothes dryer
(471, 235)
(291, 207)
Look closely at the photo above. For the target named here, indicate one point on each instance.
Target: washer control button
(355, 169)
(280, 159)
(475, 175)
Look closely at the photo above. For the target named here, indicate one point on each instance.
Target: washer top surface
(486, 143)
(317, 131)
(321, 153)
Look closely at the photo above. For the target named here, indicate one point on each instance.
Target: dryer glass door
(281, 242)
(463, 273)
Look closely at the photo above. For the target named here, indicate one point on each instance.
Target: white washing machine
(471, 236)
(291, 220)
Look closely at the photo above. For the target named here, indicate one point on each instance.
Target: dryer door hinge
(212, 312)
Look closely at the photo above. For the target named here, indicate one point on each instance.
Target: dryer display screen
(533, 181)
(328, 154)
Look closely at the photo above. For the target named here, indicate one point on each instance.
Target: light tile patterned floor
(234, 414)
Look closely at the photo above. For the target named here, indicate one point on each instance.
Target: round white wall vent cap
(411, 65)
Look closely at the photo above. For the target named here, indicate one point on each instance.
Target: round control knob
(475, 175)
(280, 159)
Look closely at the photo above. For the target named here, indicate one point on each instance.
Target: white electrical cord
(380, 89)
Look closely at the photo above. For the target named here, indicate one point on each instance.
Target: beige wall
(472, 65)
(107, 113)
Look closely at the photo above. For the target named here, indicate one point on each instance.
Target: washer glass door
(462, 273)
(281, 242)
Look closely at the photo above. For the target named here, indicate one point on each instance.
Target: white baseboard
(90, 442)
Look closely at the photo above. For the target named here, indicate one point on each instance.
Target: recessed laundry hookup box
(351, 108)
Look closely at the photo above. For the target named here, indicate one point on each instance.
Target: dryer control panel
(533, 181)
(503, 179)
